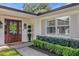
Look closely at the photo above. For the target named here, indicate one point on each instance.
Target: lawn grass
(10, 52)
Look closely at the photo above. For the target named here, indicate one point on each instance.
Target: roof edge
(10, 8)
(60, 8)
(54, 10)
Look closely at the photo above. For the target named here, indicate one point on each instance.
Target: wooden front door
(13, 31)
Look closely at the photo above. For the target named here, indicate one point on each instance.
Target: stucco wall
(24, 31)
(26, 20)
(73, 12)
(74, 26)
(2, 31)
(37, 27)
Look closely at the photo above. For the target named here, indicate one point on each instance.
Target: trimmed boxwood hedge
(61, 41)
(55, 48)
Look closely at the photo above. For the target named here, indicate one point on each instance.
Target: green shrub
(77, 52)
(50, 47)
(45, 44)
(57, 49)
(34, 42)
(39, 43)
(60, 41)
(67, 51)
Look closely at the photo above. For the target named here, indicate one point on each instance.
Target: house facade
(60, 22)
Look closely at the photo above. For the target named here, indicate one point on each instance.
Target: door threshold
(14, 43)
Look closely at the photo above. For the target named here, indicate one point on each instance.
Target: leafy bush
(57, 49)
(77, 52)
(50, 47)
(67, 51)
(61, 41)
(40, 44)
(34, 42)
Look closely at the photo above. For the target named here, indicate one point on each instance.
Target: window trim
(50, 26)
(56, 25)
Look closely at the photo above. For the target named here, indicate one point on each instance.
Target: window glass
(51, 27)
(63, 29)
(13, 27)
(59, 25)
(63, 21)
(63, 25)
(51, 30)
(51, 22)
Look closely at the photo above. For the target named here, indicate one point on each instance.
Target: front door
(13, 31)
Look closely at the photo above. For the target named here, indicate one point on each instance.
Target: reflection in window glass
(63, 29)
(63, 25)
(63, 22)
(59, 25)
(13, 27)
(51, 30)
(51, 26)
(52, 22)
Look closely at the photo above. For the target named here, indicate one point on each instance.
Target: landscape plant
(69, 42)
(55, 48)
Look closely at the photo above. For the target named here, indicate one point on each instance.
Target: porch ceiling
(7, 12)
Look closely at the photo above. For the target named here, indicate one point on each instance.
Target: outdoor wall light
(25, 26)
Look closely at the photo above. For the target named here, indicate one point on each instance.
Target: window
(63, 25)
(59, 26)
(51, 27)
(51, 30)
(13, 27)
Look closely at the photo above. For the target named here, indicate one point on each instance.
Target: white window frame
(50, 26)
(56, 25)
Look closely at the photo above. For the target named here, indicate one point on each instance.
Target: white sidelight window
(58, 26)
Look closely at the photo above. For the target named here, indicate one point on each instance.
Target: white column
(2, 32)
(37, 27)
(57, 30)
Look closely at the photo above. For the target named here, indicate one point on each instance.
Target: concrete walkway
(27, 51)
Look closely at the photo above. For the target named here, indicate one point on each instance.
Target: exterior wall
(74, 26)
(24, 31)
(44, 30)
(43, 27)
(2, 31)
(25, 19)
(73, 12)
(37, 27)
(63, 12)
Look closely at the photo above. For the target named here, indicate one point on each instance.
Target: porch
(14, 26)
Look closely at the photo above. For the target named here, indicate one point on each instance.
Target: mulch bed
(43, 51)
